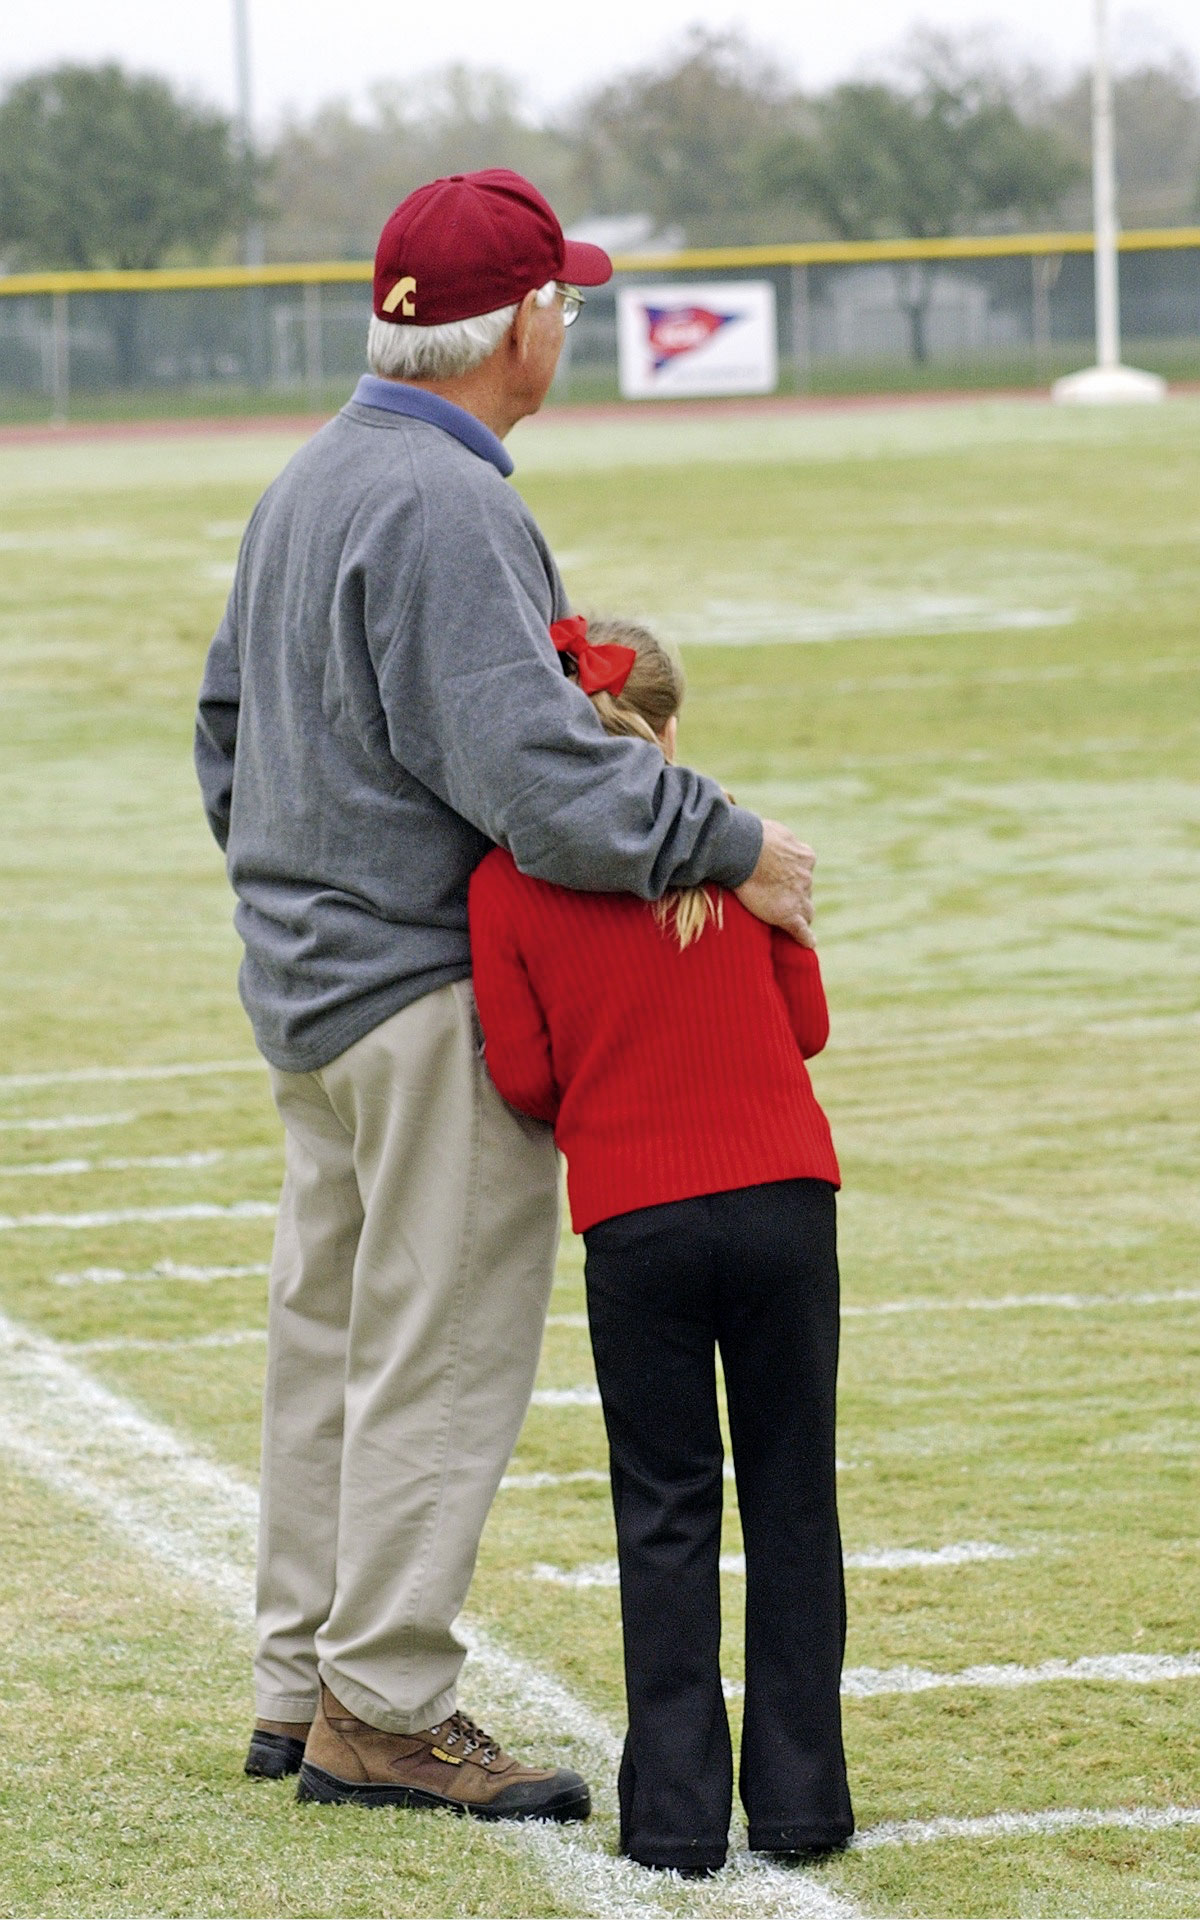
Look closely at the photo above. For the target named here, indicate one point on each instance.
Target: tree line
(714, 143)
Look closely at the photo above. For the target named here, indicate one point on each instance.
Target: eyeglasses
(572, 303)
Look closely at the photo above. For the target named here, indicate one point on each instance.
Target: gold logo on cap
(402, 295)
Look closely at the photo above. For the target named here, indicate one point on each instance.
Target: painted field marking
(1009, 677)
(80, 1076)
(129, 1343)
(1014, 1826)
(137, 1216)
(137, 1163)
(64, 1122)
(186, 1511)
(566, 1320)
(566, 1397)
(529, 1482)
(604, 1573)
(1134, 1027)
(1126, 1669)
(1014, 1302)
(1130, 1669)
(775, 623)
(963, 1553)
(167, 1498)
(161, 1270)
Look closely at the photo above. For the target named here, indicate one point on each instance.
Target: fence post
(801, 328)
(1046, 269)
(314, 371)
(60, 358)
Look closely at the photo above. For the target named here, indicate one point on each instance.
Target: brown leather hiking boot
(454, 1765)
(276, 1748)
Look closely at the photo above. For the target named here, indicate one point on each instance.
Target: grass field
(957, 648)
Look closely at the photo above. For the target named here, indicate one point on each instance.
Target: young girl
(666, 1045)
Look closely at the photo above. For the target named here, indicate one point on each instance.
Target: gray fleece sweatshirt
(382, 702)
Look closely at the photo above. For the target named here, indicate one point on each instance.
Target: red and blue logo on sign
(676, 330)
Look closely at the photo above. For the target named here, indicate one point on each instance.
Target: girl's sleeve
(515, 1036)
(798, 972)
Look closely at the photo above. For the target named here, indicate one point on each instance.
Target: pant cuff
(799, 1839)
(377, 1713)
(297, 1707)
(676, 1857)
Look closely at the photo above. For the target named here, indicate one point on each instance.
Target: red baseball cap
(470, 244)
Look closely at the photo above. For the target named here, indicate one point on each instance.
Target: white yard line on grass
(1016, 1826)
(138, 1163)
(1014, 1302)
(197, 1520)
(566, 1320)
(1009, 677)
(529, 1482)
(125, 1343)
(79, 1076)
(566, 1397)
(1133, 1669)
(604, 1573)
(65, 1122)
(773, 623)
(900, 1046)
(167, 1498)
(1128, 1669)
(963, 1553)
(136, 1216)
(161, 1270)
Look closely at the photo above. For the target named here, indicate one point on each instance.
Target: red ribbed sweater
(666, 1073)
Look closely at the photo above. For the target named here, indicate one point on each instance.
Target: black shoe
(803, 1856)
(685, 1873)
(273, 1756)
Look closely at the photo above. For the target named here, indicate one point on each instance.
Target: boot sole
(569, 1803)
(273, 1756)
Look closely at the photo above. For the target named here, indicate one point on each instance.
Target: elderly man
(381, 703)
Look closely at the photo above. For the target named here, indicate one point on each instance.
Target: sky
(306, 51)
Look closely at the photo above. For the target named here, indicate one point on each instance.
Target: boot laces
(474, 1739)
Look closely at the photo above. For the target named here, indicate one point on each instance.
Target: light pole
(253, 243)
(1108, 380)
(252, 240)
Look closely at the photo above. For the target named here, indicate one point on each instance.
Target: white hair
(403, 352)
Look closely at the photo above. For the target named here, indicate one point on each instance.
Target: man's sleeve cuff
(738, 849)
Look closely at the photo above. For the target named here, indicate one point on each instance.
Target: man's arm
(779, 890)
(216, 726)
(478, 708)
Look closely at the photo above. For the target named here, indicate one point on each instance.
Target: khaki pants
(412, 1269)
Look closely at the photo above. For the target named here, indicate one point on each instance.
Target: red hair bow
(603, 667)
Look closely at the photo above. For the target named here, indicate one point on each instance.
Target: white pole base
(1109, 387)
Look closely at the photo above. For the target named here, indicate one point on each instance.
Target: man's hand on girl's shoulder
(779, 890)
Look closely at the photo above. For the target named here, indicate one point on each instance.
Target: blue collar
(395, 396)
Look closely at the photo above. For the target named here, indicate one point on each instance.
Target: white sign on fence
(697, 339)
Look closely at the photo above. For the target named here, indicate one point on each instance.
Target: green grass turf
(1008, 829)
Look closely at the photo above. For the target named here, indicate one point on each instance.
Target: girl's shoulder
(498, 881)
(496, 869)
(498, 877)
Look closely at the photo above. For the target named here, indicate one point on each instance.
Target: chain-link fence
(881, 317)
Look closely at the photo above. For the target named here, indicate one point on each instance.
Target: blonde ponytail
(649, 700)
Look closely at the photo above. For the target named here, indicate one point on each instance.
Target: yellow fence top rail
(806, 253)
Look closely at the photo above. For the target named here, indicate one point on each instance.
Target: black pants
(754, 1272)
